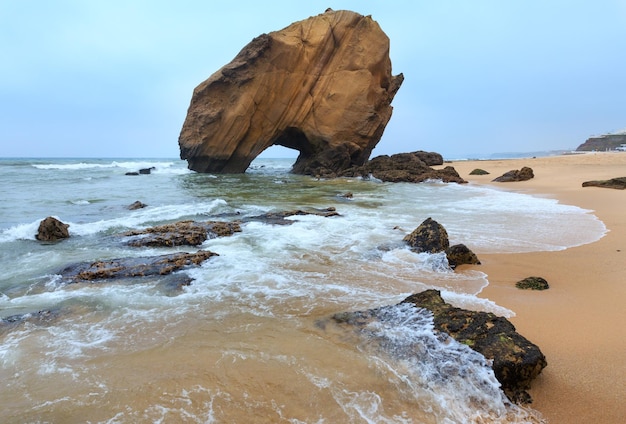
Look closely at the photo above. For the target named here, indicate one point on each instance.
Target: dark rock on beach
(479, 171)
(406, 167)
(460, 254)
(124, 268)
(182, 233)
(51, 229)
(514, 175)
(618, 183)
(532, 283)
(516, 361)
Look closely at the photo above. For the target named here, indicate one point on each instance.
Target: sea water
(250, 340)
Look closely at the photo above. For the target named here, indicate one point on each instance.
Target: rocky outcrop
(412, 167)
(431, 237)
(322, 86)
(618, 183)
(51, 229)
(533, 283)
(182, 233)
(134, 267)
(516, 361)
(514, 175)
(603, 142)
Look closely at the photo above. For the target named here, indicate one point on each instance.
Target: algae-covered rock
(532, 283)
(429, 236)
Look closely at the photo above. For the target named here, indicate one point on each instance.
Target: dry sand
(580, 322)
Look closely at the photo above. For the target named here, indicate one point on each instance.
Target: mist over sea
(250, 339)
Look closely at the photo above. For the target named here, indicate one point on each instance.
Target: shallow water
(250, 339)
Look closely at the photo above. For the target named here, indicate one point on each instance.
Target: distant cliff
(603, 142)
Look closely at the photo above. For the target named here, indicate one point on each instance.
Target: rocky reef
(514, 359)
(322, 86)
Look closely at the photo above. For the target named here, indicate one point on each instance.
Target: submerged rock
(122, 268)
(618, 183)
(279, 218)
(136, 205)
(322, 86)
(51, 229)
(42, 317)
(514, 175)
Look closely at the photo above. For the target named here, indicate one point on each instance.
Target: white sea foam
(20, 232)
(129, 165)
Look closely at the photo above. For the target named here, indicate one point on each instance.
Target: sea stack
(322, 86)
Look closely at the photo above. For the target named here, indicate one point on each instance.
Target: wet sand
(580, 322)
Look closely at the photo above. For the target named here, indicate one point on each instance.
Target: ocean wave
(131, 165)
(135, 219)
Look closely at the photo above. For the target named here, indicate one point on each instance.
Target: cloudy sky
(114, 78)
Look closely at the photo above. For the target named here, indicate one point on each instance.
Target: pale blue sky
(114, 78)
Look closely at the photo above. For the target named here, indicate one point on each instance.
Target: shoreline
(577, 323)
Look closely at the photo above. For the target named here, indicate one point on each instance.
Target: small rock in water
(51, 229)
(136, 205)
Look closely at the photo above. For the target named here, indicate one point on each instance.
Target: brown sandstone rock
(51, 229)
(406, 167)
(514, 175)
(322, 86)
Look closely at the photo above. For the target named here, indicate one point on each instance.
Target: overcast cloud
(114, 78)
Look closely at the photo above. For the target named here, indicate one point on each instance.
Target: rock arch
(322, 86)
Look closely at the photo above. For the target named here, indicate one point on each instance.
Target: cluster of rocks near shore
(516, 361)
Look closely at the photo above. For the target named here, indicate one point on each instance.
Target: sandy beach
(579, 322)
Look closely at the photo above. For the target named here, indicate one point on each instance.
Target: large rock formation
(322, 86)
(411, 167)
